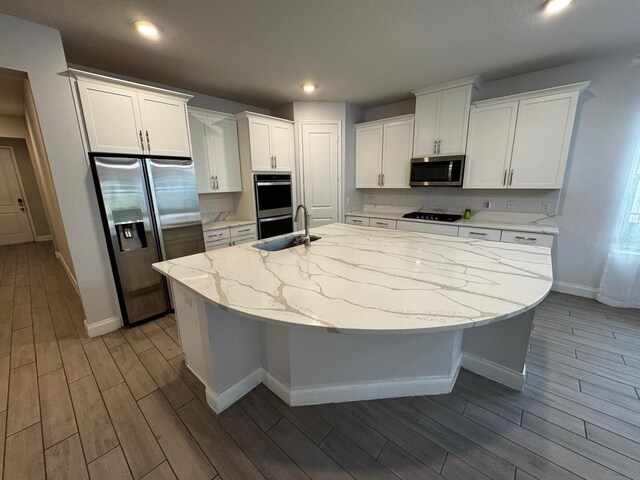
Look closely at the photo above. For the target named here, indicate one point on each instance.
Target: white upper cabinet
(165, 125)
(214, 141)
(270, 142)
(383, 153)
(442, 116)
(368, 155)
(124, 117)
(542, 141)
(491, 132)
(521, 141)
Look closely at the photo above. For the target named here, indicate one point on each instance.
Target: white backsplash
(458, 199)
(218, 206)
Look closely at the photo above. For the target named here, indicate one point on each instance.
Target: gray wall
(37, 50)
(605, 139)
(31, 192)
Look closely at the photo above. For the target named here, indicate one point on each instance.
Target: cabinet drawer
(215, 235)
(382, 223)
(527, 238)
(451, 230)
(479, 233)
(362, 221)
(243, 239)
(243, 230)
(208, 246)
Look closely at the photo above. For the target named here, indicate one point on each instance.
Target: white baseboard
(574, 289)
(220, 402)
(351, 392)
(493, 371)
(107, 325)
(68, 271)
(43, 238)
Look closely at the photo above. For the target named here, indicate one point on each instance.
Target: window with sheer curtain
(620, 283)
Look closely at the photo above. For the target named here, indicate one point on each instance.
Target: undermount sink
(282, 243)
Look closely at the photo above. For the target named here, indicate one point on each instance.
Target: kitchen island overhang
(362, 313)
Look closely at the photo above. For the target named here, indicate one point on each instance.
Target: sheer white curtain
(620, 283)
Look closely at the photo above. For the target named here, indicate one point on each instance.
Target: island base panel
(498, 351)
(305, 366)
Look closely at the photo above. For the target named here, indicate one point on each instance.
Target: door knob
(21, 204)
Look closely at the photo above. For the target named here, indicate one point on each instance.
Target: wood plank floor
(124, 406)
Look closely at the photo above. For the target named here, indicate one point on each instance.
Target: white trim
(351, 392)
(573, 87)
(398, 118)
(44, 238)
(23, 192)
(96, 77)
(73, 280)
(101, 327)
(247, 114)
(574, 289)
(493, 371)
(475, 80)
(220, 402)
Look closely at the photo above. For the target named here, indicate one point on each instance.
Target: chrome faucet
(307, 236)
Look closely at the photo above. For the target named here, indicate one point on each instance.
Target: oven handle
(450, 172)
(273, 219)
(271, 184)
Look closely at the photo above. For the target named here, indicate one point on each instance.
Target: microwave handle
(450, 172)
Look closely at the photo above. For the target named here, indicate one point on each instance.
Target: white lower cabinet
(438, 229)
(229, 236)
(362, 221)
(527, 238)
(479, 233)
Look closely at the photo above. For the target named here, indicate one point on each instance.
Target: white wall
(37, 50)
(606, 134)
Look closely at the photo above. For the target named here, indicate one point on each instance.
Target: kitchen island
(362, 313)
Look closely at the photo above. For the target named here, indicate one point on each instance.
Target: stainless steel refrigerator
(150, 212)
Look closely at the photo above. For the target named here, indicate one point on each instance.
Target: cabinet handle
(439, 143)
(213, 235)
(141, 140)
(504, 178)
(217, 186)
(232, 243)
(275, 161)
(478, 234)
(356, 221)
(511, 178)
(381, 223)
(245, 230)
(148, 142)
(212, 184)
(382, 179)
(526, 239)
(435, 147)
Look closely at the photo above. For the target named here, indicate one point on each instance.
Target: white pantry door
(321, 165)
(14, 222)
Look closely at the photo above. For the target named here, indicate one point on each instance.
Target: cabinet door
(200, 154)
(368, 156)
(396, 154)
(282, 146)
(165, 124)
(426, 125)
(453, 120)
(259, 133)
(222, 140)
(542, 141)
(112, 118)
(489, 147)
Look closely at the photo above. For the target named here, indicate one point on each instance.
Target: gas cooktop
(439, 217)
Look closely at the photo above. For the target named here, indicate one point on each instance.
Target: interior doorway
(16, 225)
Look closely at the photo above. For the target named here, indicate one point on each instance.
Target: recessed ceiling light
(554, 6)
(147, 29)
(309, 87)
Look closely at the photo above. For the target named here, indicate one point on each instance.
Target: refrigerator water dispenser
(130, 229)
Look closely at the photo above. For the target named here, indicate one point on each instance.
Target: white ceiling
(366, 52)
(11, 96)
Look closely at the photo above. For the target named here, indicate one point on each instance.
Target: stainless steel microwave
(437, 171)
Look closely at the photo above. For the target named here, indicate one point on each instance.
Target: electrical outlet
(546, 207)
(488, 205)
(210, 207)
(509, 204)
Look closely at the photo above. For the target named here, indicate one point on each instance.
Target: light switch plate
(546, 207)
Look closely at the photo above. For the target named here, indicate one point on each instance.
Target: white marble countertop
(225, 224)
(523, 222)
(365, 279)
